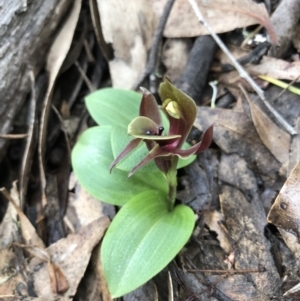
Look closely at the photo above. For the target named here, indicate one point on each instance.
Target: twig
(156, 42)
(27, 157)
(245, 271)
(242, 72)
(13, 136)
(84, 77)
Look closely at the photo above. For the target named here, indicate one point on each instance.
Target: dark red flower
(181, 111)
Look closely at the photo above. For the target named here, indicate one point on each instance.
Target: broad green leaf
(142, 239)
(116, 107)
(91, 158)
(113, 106)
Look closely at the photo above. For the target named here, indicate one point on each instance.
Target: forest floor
(244, 189)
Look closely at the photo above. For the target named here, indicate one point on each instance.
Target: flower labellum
(181, 112)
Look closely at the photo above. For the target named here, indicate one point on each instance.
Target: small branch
(84, 77)
(13, 136)
(245, 271)
(28, 153)
(242, 72)
(156, 42)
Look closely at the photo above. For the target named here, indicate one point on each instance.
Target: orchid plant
(181, 112)
(140, 240)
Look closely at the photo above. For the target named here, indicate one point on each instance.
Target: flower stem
(172, 182)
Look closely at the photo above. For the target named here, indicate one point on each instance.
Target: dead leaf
(55, 59)
(274, 138)
(28, 231)
(10, 275)
(246, 223)
(234, 133)
(71, 255)
(233, 170)
(269, 66)
(284, 27)
(215, 222)
(82, 207)
(131, 42)
(285, 212)
(220, 14)
(60, 281)
(175, 55)
(292, 243)
(8, 227)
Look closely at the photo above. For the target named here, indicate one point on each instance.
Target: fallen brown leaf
(274, 138)
(71, 255)
(246, 223)
(82, 207)
(28, 231)
(215, 222)
(234, 133)
(285, 212)
(131, 42)
(222, 15)
(55, 59)
(283, 26)
(175, 55)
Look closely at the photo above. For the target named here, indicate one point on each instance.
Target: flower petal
(185, 108)
(157, 151)
(197, 148)
(128, 148)
(144, 128)
(149, 107)
(206, 140)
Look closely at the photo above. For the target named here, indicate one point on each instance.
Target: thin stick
(84, 77)
(156, 42)
(242, 72)
(27, 157)
(246, 271)
(13, 136)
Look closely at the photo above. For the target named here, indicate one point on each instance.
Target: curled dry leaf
(222, 15)
(285, 212)
(131, 42)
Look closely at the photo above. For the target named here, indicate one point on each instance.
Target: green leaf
(91, 158)
(142, 239)
(116, 107)
(113, 106)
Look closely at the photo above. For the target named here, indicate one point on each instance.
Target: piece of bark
(25, 39)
